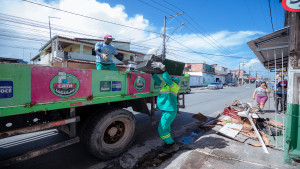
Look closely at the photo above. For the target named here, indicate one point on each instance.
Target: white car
(215, 85)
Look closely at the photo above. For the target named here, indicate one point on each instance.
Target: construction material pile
(242, 123)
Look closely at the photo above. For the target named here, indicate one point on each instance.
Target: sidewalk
(212, 150)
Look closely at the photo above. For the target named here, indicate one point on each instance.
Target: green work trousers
(111, 66)
(164, 127)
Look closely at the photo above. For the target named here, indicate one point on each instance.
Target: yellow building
(78, 53)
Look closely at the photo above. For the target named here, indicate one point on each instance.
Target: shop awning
(272, 49)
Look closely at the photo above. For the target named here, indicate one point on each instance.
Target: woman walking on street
(262, 96)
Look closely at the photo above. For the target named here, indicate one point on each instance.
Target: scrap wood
(200, 117)
(236, 108)
(245, 133)
(247, 125)
(221, 122)
(277, 123)
(237, 121)
(236, 102)
(265, 138)
(273, 125)
(255, 144)
(210, 122)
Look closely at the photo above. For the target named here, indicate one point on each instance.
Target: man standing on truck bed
(167, 102)
(104, 52)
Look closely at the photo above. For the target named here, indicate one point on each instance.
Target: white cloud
(98, 29)
(91, 8)
(221, 38)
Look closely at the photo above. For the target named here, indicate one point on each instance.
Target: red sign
(50, 84)
(291, 5)
(139, 83)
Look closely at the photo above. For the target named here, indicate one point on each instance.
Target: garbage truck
(87, 105)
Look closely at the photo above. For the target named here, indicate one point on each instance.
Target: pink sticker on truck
(140, 83)
(50, 84)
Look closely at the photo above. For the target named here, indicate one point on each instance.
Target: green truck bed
(32, 88)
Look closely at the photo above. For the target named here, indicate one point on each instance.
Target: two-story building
(78, 53)
(203, 70)
(220, 73)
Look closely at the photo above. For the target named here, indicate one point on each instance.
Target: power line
(210, 38)
(45, 39)
(195, 51)
(19, 47)
(271, 15)
(191, 18)
(262, 9)
(90, 17)
(250, 14)
(204, 36)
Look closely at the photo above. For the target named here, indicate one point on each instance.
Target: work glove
(125, 62)
(104, 56)
(157, 65)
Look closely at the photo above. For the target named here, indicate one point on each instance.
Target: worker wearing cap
(167, 102)
(104, 52)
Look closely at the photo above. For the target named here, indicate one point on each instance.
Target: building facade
(78, 53)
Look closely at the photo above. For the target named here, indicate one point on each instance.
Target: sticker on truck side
(107, 86)
(64, 84)
(139, 83)
(6, 89)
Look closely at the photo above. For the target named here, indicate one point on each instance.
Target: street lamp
(49, 17)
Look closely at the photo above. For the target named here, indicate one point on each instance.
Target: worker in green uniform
(167, 102)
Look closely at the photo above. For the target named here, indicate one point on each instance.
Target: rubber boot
(170, 148)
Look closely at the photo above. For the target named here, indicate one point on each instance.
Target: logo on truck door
(139, 83)
(64, 84)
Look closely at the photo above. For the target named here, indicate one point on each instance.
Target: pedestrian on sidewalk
(262, 96)
(279, 97)
(167, 102)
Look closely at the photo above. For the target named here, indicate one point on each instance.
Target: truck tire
(109, 133)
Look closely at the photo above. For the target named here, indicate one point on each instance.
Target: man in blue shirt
(104, 52)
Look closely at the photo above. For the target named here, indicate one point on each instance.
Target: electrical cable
(90, 17)
(271, 15)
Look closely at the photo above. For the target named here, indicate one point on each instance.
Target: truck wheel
(110, 133)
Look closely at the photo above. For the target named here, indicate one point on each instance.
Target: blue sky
(227, 26)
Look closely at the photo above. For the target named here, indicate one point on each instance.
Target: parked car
(231, 84)
(215, 85)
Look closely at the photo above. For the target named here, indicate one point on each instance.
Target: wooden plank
(228, 131)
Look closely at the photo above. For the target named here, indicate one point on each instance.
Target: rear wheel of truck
(109, 134)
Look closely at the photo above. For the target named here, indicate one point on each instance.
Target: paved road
(208, 102)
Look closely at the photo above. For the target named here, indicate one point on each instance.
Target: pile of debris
(242, 122)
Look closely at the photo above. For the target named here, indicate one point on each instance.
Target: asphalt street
(208, 102)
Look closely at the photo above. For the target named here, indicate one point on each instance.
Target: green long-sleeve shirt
(167, 98)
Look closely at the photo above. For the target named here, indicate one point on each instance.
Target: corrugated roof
(271, 49)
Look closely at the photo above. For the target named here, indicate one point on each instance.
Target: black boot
(170, 148)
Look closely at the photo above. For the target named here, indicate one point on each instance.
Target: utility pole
(243, 73)
(30, 58)
(249, 74)
(164, 35)
(239, 74)
(256, 76)
(49, 17)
